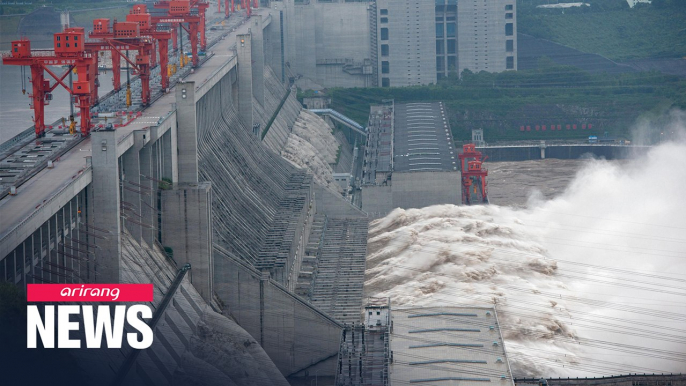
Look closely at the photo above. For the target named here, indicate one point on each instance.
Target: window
(452, 63)
(452, 8)
(76, 45)
(509, 7)
(76, 38)
(383, 11)
(509, 15)
(384, 33)
(59, 45)
(58, 38)
(384, 20)
(509, 29)
(385, 82)
(510, 63)
(67, 45)
(439, 64)
(509, 45)
(451, 46)
(450, 30)
(66, 37)
(384, 50)
(439, 47)
(385, 67)
(439, 30)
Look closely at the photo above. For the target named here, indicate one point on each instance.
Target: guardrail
(48, 201)
(40, 166)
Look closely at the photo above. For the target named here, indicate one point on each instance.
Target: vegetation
(551, 95)
(9, 25)
(166, 184)
(610, 28)
(28, 6)
(85, 18)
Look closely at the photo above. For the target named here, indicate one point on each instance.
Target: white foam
(629, 216)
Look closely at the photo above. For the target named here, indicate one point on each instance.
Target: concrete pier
(187, 229)
(245, 79)
(257, 49)
(187, 134)
(105, 205)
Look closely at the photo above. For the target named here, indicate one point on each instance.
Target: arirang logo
(67, 292)
(97, 320)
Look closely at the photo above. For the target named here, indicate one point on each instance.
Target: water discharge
(592, 282)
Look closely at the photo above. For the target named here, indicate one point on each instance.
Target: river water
(584, 260)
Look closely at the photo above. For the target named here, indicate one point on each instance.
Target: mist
(592, 282)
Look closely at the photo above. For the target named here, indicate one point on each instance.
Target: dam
(277, 260)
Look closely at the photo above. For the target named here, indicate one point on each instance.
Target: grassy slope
(610, 103)
(85, 18)
(9, 24)
(621, 34)
(8, 27)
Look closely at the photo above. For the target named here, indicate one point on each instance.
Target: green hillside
(553, 95)
(610, 28)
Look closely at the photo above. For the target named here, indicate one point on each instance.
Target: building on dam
(410, 160)
(341, 43)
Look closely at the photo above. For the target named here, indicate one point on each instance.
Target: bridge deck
(49, 182)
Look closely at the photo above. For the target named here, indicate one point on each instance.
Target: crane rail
(24, 138)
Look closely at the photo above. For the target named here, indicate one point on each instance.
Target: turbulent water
(312, 145)
(592, 282)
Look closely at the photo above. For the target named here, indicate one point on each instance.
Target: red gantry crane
(68, 51)
(122, 37)
(474, 189)
(226, 7)
(179, 12)
(147, 28)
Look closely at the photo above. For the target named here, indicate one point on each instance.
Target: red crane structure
(142, 9)
(122, 37)
(147, 28)
(226, 7)
(182, 8)
(474, 188)
(68, 51)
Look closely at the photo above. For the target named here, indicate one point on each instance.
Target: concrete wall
(320, 35)
(326, 33)
(619, 380)
(187, 229)
(411, 41)
(273, 44)
(193, 344)
(481, 35)
(333, 205)
(294, 334)
(412, 190)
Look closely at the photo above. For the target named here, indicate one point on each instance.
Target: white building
(634, 2)
(390, 43)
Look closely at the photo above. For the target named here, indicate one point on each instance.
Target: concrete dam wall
(263, 210)
(193, 344)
